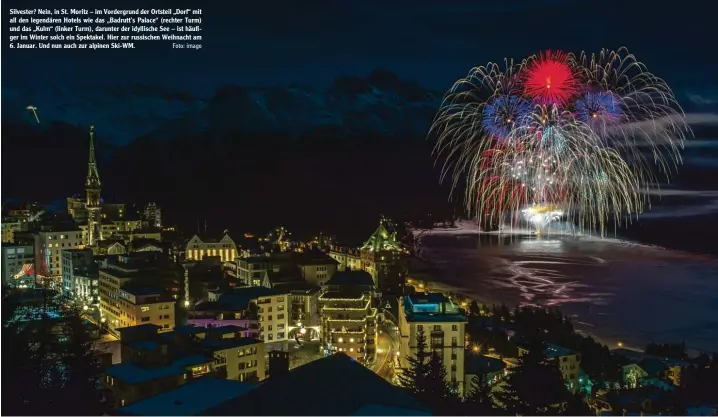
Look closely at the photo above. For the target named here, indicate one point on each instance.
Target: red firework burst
(549, 79)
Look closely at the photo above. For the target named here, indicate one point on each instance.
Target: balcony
(346, 330)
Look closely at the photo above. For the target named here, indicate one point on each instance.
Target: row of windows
(270, 336)
(438, 327)
(269, 309)
(67, 236)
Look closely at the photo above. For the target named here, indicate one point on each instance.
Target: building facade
(346, 258)
(74, 261)
(123, 304)
(348, 324)
(199, 248)
(380, 256)
(18, 265)
(444, 328)
(153, 215)
(568, 362)
(317, 267)
(251, 270)
(11, 225)
(273, 313)
(50, 243)
(154, 362)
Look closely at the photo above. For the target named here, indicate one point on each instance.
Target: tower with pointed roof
(380, 254)
(93, 187)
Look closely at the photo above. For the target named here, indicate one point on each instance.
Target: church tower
(93, 186)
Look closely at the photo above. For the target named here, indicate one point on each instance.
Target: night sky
(312, 42)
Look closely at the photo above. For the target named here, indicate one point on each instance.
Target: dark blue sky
(267, 42)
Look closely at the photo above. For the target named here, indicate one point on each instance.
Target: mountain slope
(380, 103)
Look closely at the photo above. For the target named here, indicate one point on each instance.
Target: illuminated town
(234, 317)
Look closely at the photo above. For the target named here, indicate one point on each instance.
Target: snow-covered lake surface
(615, 290)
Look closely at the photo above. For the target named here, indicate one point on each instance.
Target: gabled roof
(353, 387)
(381, 240)
(212, 239)
(109, 243)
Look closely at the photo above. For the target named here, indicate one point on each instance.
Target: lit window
(351, 340)
(145, 308)
(341, 340)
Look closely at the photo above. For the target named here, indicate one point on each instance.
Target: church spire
(93, 187)
(93, 177)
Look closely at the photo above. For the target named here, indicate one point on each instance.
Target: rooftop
(109, 242)
(239, 298)
(255, 259)
(354, 388)
(286, 275)
(552, 351)
(431, 307)
(555, 351)
(133, 374)
(348, 278)
(17, 245)
(315, 258)
(475, 363)
(189, 400)
(381, 240)
(138, 290)
(222, 344)
(342, 295)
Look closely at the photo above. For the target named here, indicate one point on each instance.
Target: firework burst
(550, 78)
(559, 130)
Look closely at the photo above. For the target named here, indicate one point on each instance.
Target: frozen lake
(614, 290)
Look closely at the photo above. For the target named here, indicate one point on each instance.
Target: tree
(535, 387)
(54, 367)
(576, 405)
(474, 308)
(414, 375)
(437, 392)
(480, 398)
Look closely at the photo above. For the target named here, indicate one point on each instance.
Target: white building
(444, 327)
(274, 320)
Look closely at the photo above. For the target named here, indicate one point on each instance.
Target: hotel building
(444, 328)
(200, 247)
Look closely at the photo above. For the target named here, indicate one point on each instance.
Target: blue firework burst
(505, 113)
(599, 109)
